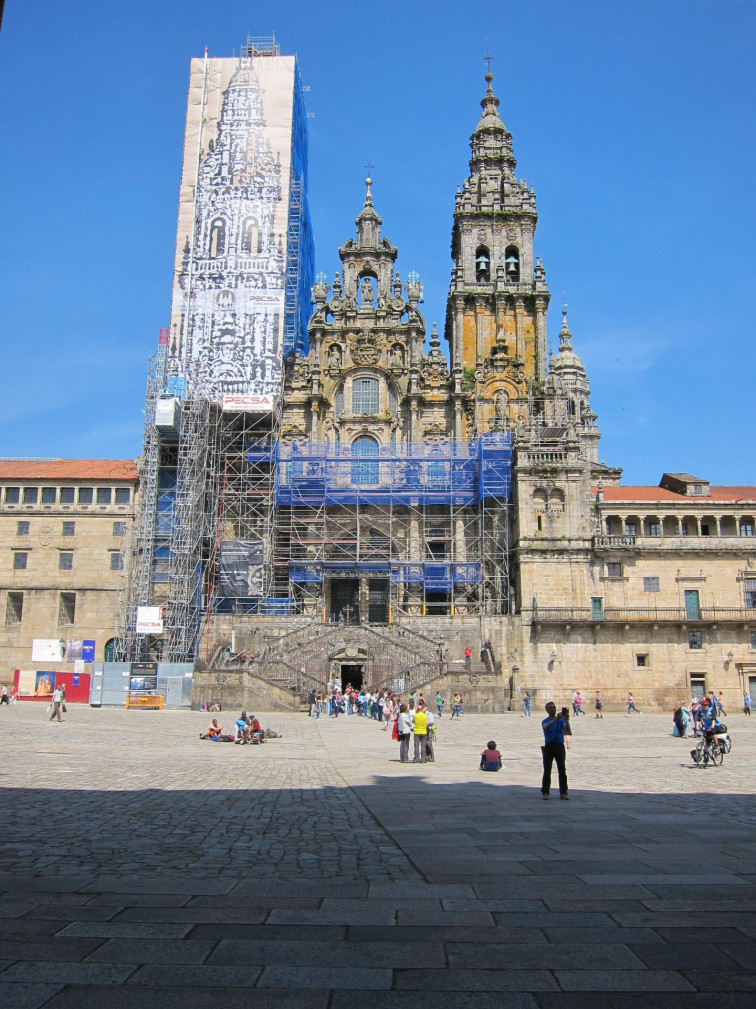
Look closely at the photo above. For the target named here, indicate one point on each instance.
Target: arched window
(250, 241)
(539, 499)
(109, 653)
(217, 237)
(365, 395)
(482, 263)
(556, 500)
(338, 405)
(512, 263)
(365, 464)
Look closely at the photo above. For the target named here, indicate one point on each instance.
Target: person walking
(56, 705)
(526, 705)
(439, 704)
(553, 750)
(4, 699)
(720, 704)
(468, 658)
(456, 707)
(746, 703)
(598, 705)
(631, 706)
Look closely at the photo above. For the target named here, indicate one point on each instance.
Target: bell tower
(498, 298)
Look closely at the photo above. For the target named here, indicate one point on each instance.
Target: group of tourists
(246, 730)
(411, 722)
(380, 706)
(701, 713)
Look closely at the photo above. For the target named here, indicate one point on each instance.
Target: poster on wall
(228, 306)
(47, 649)
(149, 620)
(88, 651)
(240, 568)
(44, 684)
(73, 651)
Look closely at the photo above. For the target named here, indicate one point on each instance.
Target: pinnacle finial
(489, 79)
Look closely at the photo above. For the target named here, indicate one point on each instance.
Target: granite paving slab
(317, 870)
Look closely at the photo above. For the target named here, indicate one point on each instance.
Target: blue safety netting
(458, 473)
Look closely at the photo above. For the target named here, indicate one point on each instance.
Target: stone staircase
(301, 660)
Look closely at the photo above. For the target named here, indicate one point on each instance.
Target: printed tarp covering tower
(240, 303)
(244, 261)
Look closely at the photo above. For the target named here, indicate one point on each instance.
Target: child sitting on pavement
(490, 758)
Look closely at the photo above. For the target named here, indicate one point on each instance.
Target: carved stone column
(541, 304)
(459, 327)
(519, 327)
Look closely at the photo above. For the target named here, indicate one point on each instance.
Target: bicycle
(711, 750)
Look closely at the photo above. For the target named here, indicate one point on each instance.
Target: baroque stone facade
(609, 587)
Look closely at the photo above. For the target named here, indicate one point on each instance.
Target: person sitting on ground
(213, 730)
(490, 758)
(215, 706)
(240, 725)
(253, 732)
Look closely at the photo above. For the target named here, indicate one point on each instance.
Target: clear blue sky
(633, 120)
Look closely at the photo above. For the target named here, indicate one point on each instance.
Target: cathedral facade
(363, 505)
(559, 575)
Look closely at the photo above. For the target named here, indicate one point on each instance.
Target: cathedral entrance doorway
(352, 672)
(345, 600)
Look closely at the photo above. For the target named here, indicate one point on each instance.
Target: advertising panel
(73, 650)
(240, 568)
(149, 620)
(228, 305)
(44, 684)
(248, 403)
(47, 649)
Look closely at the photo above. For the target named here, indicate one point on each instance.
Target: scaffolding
(410, 530)
(234, 520)
(140, 547)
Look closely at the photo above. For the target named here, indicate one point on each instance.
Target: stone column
(519, 327)
(459, 326)
(480, 304)
(540, 323)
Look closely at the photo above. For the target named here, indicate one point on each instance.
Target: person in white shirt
(56, 706)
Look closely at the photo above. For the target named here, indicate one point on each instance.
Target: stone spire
(368, 223)
(491, 141)
(566, 360)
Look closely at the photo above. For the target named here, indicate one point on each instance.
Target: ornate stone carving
(365, 354)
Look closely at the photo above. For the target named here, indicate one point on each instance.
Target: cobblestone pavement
(140, 866)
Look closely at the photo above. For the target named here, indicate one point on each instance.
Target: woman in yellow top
(420, 732)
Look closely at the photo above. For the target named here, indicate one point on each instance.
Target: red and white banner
(248, 403)
(149, 620)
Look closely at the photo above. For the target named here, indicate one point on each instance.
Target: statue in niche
(334, 358)
(501, 405)
(367, 291)
(396, 357)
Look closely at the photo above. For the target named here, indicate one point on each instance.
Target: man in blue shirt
(553, 750)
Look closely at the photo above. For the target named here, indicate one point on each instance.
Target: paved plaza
(142, 867)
